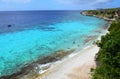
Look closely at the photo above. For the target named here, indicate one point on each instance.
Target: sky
(8, 5)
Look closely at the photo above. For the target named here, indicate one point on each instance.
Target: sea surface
(26, 36)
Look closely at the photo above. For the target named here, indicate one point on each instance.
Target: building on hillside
(117, 13)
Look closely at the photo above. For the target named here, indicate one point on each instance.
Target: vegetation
(108, 58)
(107, 13)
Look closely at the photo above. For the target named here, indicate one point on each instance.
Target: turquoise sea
(34, 34)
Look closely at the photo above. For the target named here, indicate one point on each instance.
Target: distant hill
(108, 14)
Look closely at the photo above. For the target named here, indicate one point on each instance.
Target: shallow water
(40, 33)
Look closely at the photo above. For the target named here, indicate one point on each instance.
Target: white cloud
(87, 4)
(102, 1)
(16, 1)
(82, 1)
(69, 2)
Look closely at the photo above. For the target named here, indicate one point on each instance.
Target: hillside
(108, 58)
(108, 14)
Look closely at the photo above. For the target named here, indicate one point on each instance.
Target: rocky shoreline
(31, 71)
(101, 17)
(85, 13)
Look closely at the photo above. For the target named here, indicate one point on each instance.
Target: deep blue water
(30, 19)
(34, 34)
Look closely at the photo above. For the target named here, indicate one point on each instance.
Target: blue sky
(56, 4)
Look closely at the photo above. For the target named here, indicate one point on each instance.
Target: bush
(109, 54)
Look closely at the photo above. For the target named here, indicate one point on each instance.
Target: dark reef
(30, 69)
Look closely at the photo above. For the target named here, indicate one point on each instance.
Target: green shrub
(109, 54)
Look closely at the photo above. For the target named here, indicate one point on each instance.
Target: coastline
(76, 67)
(69, 58)
(93, 15)
(107, 67)
(37, 68)
(39, 71)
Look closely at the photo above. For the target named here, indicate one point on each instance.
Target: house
(118, 12)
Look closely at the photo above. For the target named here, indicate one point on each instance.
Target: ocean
(26, 36)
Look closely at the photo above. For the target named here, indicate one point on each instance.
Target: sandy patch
(76, 67)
